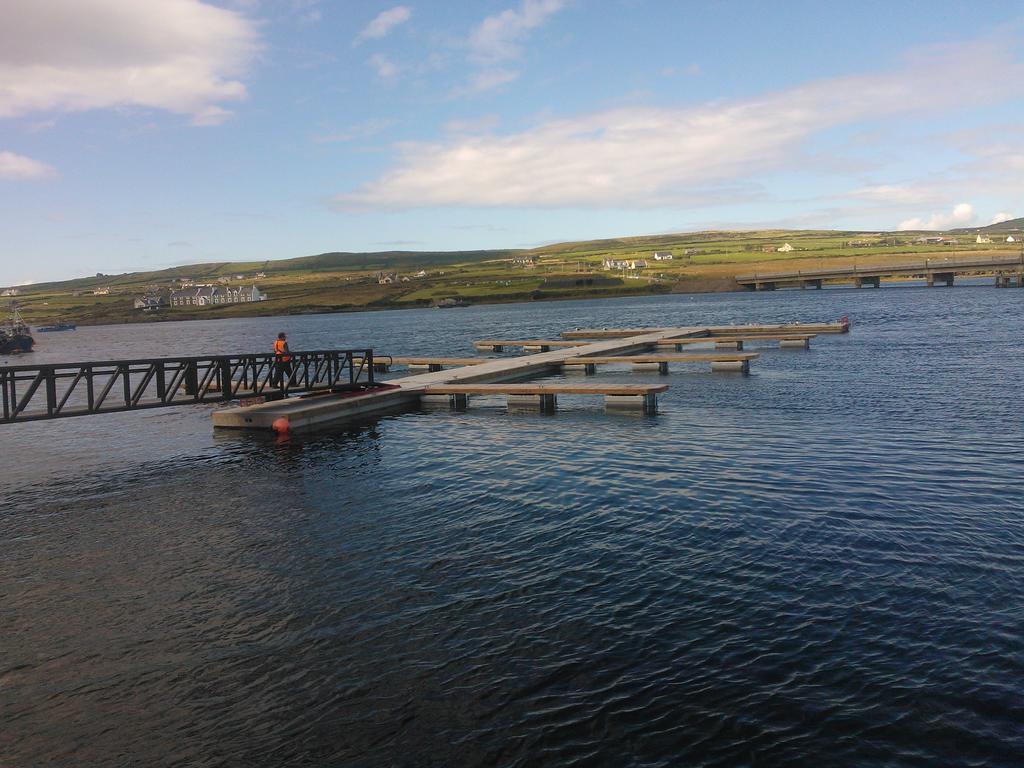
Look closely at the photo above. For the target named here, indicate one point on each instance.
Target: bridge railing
(56, 390)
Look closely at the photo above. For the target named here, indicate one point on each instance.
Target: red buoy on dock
(281, 425)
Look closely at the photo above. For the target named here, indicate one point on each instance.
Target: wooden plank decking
(403, 393)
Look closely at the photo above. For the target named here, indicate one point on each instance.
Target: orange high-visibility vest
(280, 348)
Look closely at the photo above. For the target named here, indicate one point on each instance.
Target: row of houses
(389, 278)
(215, 295)
(624, 264)
(986, 239)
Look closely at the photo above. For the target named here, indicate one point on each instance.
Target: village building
(10, 292)
(615, 264)
(786, 248)
(1010, 239)
(663, 256)
(104, 291)
(150, 303)
(387, 278)
(983, 239)
(212, 295)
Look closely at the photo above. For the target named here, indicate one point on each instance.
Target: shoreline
(712, 285)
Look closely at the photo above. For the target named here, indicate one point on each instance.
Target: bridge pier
(1005, 280)
(940, 277)
(811, 284)
(874, 282)
(765, 286)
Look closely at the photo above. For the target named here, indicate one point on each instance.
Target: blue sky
(140, 135)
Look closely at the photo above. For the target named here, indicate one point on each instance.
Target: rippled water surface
(819, 564)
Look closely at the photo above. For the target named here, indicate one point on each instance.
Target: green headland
(339, 281)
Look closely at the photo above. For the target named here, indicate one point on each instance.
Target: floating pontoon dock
(495, 376)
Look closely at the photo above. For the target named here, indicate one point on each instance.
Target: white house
(104, 291)
(210, 295)
(983, 239)
(10, 292)
(663, 256)
(1010, 239)
(386, 278)
(784, 248)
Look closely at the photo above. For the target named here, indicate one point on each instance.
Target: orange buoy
(280, 425)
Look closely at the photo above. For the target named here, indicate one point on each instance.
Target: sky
(143, 134)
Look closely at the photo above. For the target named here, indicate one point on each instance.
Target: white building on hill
(784, 248)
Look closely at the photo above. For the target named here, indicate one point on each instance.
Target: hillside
(340, 281)
(1010, 225)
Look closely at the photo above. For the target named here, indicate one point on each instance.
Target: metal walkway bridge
(1007, 270)
(61, 390)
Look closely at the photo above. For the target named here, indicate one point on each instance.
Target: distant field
(331, 282)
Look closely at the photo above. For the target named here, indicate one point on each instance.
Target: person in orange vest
(283, 358)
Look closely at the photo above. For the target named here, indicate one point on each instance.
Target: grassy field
(333, 282)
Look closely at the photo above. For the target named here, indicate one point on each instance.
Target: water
(818, 564)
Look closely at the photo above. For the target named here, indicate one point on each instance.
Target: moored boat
(56, 327)
(15, 335)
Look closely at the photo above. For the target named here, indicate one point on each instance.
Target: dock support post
(454, 402)
(794, 343)
(731, 366)
(588, 369)
(533, 403)
(738, 344)
(650, 367)
(632, 403)
(435, 367)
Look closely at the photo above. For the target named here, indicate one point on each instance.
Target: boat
(56, 327)
(15, 335)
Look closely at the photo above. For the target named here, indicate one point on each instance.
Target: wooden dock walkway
(404, 393)
(713, 330)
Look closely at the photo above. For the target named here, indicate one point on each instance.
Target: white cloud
(20, 168)
(1001, 217)
(499, 38)
(383, 23)
(70, 55)
(385, 68)
(641, 156)
(962, 215)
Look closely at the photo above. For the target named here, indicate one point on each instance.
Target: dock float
(737, 361)
(543, 397)
(297, 414)
(540, 345)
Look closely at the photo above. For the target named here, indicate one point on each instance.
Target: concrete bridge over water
(1008, 271)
